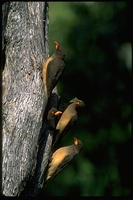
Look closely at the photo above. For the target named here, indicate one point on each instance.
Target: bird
(52, 116)
(62, 157)
(53, 69)
(67, 119)
(50, 123)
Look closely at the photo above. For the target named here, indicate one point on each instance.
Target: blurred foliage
(97, 40)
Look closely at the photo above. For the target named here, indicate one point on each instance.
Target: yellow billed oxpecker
(67, 119)
(53, 69)
(52, 115)
(50, 124)
(62, 157)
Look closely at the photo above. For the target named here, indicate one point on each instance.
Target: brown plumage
(53, 69)
(68, 118)
(62, 157)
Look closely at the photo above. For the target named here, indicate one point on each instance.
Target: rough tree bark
(25, 49)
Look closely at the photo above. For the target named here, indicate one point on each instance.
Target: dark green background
(97, 41)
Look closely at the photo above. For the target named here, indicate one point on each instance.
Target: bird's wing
(44, 72)
(67, 159)
(73, 119)
(63, 121)
(54, 71)
(59, 67)
(67, 119)
(56, 159)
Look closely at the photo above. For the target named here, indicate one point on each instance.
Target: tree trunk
(25, 49)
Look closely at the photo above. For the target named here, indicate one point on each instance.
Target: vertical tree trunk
(25, 48)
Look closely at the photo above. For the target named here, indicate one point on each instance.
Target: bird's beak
(56, 44)
(76, 141)
(58, 113)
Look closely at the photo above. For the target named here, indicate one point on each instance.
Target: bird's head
(78, 143)
(59, 50)
(74, 100)
(53, 112)
(78, 102)
(52, 115)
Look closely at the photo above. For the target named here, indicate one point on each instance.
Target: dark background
(97, 40)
